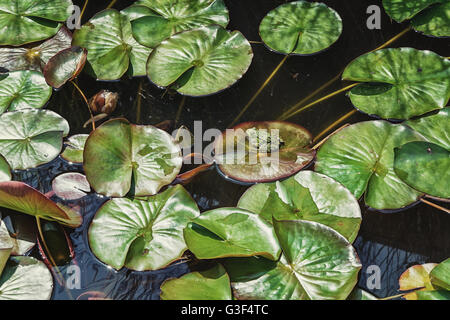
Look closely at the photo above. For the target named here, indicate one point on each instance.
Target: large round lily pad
(25, 278)
(306, 196)
(22, 90)
(434, 21)
(29, 137)
(361, 157)
(300, 27)
(142, 234)
(231, 232)
(5, 171)
(200, 62)
(112, 50)
(164, 18)
(75, 148)
(399, 83)
(401, 10)
(212, 284)
(263, 151)
(20, 197)
(120, 157)
(317, 264)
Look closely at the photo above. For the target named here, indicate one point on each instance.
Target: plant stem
(334, 124)
(435, 205)
(392, 40)
(138, 103)
(274, 72)
(82, 11)
(113, 2)
(87, 103)
(180, 110)
(393, 297)
(255, 42)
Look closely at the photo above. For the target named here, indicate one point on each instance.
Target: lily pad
(212, 284)
(21, 197)
(300, 27)
(71, 186)
(231, 232)
(120, 156)
(112, 50)
(75, 148)
(317, 264)
(25, 278)
(306, 196)
(167, 17)
(23, 232)
(200, 62)
(433, 295)
(434, 21)
(14, 59)
(5, 171)
(415, 278)
(22, 90)
(6, 245)
(399, 83)
(361, 157)
(29, 138)
(440, 275)
(142, 234)
(65, 66)
(30, 20)
(263, 151)
(401, 10)
(360, 294)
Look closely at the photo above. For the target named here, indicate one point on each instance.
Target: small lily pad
(416, 277)
(142, 234)
(231, 232)
(65, 66)
(301, 27)
(75, 148)
(361, 157)
(120, 157)
(167, 17)
(25, 278)
(29, 137)
(22, 90)
(263, 151)
(212, 284)
(306, 196)
(434, 21)
(200, 62)
(5, 171)
(71, 186)
(399, 83)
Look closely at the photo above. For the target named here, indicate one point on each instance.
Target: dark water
(393, 241)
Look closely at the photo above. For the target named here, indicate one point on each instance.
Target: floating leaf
(263, 151)
(71, 186)
(75, 148)
(212, 284)
(21, 197)
(306, 196)
(434, 21)
(317, 264)
(359, 294)
(5, 171)
(65, 66)
(23, 232)
(6, 245)
(22, 90)
(399, 83)
(30, 20)
(440, 275)
(142, 234)
(167, 17)
(433, 295)
(416, 277)
(361, 157)
(25, 278)
(111, 46)
(29, 138)
(401, 10)
(231, 232)
(120, 156)
(200, 62)
(300, 27)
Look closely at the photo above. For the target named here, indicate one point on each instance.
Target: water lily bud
(104, 102)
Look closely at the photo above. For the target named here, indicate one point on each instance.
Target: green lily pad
(434, 128)
(30, 20)
(300, 27)
(306, 196)
(440, 275)
(415, 278)
(167, 17)
(6, 245)
(231, 232)
(425, 167)
(75, 148)
(361, 157)
(142, 234)
(25, 278)
(433, 295)
(29, 137)
(71, 186)
(263, 151)
(317, 264)
(212, 284)
(21, 197)
(360, 294)
(15, 59)
(112, 50)
(401, 10)
(399, 83)
(119, 157)
(23, 90)
(65, 66)
(5, 171)
(200, 62)
(434, 21)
